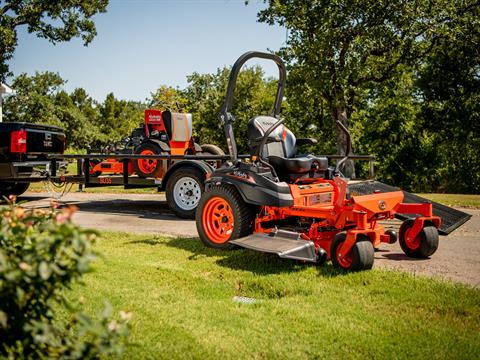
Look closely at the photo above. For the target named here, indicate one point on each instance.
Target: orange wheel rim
(147, 166)
(412, 243)
(217, 220)
(345, 261)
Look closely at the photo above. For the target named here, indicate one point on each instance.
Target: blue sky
(142, 44)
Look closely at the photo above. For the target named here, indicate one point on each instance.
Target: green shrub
(41, 255)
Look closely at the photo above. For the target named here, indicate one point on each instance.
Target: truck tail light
(18, 143)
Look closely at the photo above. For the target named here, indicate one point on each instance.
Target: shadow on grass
(240, 259)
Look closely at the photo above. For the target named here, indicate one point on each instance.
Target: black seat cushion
(298, 165)
(280, 150)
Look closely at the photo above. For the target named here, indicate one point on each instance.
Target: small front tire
(423, 245)
(360, 257)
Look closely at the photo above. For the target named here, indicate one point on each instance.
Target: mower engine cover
(178, 125)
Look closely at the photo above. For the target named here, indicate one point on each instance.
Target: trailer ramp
(451, 218)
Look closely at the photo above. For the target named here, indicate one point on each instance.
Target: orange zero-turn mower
(296, 205)
(162, 133)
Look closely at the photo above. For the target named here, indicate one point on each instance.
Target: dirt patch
(457, 258)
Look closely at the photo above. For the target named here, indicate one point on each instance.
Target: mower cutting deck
(451, 218)
(298, 206)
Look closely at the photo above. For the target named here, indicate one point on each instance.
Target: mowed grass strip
(463, 200)
(181, 294)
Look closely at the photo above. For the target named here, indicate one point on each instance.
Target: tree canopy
(404, 76)
(56, 21)
(341, 49)
(41, 99)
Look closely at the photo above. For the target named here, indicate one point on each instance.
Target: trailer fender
(198, 148)
(163, 145)
(204, 167)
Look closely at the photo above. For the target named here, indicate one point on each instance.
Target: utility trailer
(183, 178)
(200, 167)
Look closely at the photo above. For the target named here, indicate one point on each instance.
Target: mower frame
(336, 222)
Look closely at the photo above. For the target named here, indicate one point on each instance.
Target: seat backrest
(281, 140)
(178, 125)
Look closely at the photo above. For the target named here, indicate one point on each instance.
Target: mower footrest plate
(283, 247)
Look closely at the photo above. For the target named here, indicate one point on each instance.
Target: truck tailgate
(44, 139)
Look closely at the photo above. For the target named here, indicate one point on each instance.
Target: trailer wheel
(147, 167)
(423, 245)
(210, 149)
(360, 257)
(184, 190)
(13, 188)
(222, 215)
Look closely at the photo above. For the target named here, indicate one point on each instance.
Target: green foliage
(340, 50)
(423, 124)
(449, 86)
(41, 254)
(40, 99)
(56, 21)
(167, 97)
(181, 294)
(116, 118)
(205, 94)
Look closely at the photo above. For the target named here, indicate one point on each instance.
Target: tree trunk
(340, 113)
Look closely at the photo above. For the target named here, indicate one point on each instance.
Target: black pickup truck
(23, 151)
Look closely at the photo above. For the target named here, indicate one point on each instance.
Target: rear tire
(360, 257)
(424, 245)
(210, 149)
(147, 167)
(13, 188)
(221, 216)
(184, 190)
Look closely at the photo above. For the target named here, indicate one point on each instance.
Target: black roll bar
(226, 117)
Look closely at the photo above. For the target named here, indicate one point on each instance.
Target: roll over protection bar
(226, 117)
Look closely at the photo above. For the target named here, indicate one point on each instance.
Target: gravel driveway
(457, 259)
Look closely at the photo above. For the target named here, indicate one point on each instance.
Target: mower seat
(280, 149)
(298, 165)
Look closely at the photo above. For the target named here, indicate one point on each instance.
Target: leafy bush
(41, 254)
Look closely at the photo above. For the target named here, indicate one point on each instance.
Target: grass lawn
(181, 294)
(463, 200)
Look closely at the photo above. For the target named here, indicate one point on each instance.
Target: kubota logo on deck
(382, 205)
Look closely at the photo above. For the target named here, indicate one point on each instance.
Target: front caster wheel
(423, 245)
(221, 216)
(360, 257)
(393, 236)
